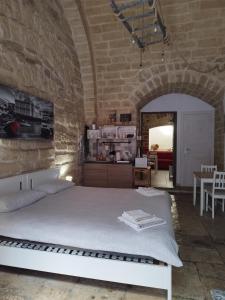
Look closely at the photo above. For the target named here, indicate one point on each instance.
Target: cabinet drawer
(97, 167)
(107, 175)
(121, 173)
(95, 175)
(95, 182)
(120, 183)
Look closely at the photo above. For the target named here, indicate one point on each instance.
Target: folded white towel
(137, 215)
(150, 192)
(142, 222)
(139, 227)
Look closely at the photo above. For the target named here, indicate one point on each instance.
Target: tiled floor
(161, 179)
(202, 249)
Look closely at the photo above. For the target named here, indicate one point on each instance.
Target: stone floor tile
(194, 241)
(214, 228)
(202, 248)
(200, 254)
(210, 284)
(186, 283)
(141, 293)
(211, 271)
(221, 250)
(94, 291)
(100, 290)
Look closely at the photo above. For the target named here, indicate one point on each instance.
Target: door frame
(174, 139)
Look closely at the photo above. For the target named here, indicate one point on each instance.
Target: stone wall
(38, 57)
(80, 32)
(194, 61)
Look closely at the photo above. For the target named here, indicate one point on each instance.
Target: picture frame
(23, 116)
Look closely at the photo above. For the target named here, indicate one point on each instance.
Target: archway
(193, 123)
(157, 82)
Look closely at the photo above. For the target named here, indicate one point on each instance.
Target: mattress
(87, 218)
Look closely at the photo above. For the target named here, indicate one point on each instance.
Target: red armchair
(165, 159)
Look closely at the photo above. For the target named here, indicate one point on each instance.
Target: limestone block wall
(80, 33)
(38, 56)
(194, 61)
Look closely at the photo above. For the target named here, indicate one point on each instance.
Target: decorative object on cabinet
(141, 162)
(93, 134)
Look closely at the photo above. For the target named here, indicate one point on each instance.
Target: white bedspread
(87, 218)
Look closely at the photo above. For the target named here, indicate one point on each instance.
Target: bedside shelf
(142, 177)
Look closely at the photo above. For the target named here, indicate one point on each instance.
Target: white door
(197, 145)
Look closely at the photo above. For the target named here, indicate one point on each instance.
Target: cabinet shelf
(108, 139)
(117, 141)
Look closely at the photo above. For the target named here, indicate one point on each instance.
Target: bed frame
(113, 267)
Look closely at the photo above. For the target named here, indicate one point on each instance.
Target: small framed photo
(125, 118)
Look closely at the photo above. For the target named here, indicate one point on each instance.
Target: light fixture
(163, 56)
(155, 27)
(143, 20)
(132, 40)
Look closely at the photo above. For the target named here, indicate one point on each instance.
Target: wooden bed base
(67, 262)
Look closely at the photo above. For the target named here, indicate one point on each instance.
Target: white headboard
(36, 178)
(12, 184)
(27, 181)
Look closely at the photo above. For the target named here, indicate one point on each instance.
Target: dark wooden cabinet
(108, 175)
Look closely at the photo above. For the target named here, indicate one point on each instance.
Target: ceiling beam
(125, 23)
(140, 16)
(135, 3)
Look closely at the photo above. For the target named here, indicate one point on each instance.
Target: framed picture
(125, 118)
(23, 116)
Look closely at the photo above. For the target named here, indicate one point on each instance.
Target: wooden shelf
(142, 177)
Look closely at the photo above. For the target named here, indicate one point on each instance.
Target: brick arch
(155, 83)
(73, 11)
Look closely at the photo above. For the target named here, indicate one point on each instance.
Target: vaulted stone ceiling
(110, 63)
(80, 31)
(112, 78)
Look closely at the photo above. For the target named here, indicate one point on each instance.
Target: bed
(76, 232)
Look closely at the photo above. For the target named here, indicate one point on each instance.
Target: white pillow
(54, 186)
(16, 200)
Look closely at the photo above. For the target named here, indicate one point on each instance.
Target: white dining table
(203, 178)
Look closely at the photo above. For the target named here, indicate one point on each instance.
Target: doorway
(193, 125)
(159, 131)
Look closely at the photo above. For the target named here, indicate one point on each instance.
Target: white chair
(216, 191)
(208, 168)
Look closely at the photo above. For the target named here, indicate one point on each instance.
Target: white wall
(161, 135)
(179, 103)
(175, 103)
